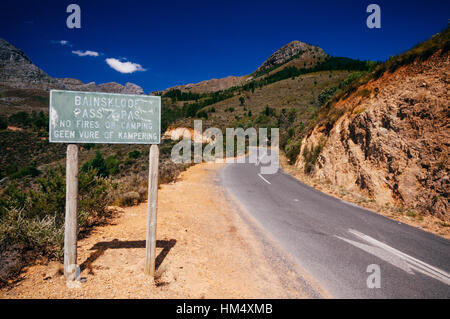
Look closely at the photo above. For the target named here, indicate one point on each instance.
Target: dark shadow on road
(101, 247)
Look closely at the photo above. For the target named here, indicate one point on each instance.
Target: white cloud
(62, 42)
(85, 53)
(124, 67)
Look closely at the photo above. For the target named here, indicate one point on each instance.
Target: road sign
(93, 117)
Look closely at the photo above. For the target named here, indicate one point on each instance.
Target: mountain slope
(300, 54)
(389, 139)
(18, 71)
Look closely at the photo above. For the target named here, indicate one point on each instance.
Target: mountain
(209, 86)
(111, 87)
(304, 55)
(18, 71)
(296, 53)
(388, 138)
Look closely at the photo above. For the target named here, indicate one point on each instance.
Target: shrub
(98, 163)
(363, 93)
(292, 151)
(129, 199)
(40, 120)
(325, 95)
(134, 154)
(112, 164)
(30, 170)
(269, 111)
(34, 219)
(21, 119)
(311, 155)
(202, 114)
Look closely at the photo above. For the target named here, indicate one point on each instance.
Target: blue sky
(179, 42)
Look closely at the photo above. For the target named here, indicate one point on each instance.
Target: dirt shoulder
(427, 223)
(205, 250)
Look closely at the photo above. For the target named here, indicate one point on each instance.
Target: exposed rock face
(393, 141)
(131, 88)
(17, 71)
(113, 87)
(294, 49)
(77, 85)
(186, 133)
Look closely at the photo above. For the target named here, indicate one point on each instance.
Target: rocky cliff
(392, 141)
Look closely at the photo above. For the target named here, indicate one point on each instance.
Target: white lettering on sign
(94, 117)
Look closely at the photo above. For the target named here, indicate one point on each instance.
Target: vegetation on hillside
(421, 51)
(329, 114)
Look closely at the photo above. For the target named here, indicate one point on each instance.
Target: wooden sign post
(96, 117)
(71, 220)
(150, 244)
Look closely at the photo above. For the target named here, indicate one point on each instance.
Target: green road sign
(92, 117)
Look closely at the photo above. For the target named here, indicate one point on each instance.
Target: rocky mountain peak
(290, 51)
(11, 54)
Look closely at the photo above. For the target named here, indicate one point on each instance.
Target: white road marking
(264, 179)
(397, 258)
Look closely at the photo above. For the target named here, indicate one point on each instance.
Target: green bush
(112, 164)
(40, 120)
(268, 111)
(292, 151)
(98, 163)
(325, 95)
(202, 114)
(21, 119)
(134, 154)
(34, 219)
(30, 170)
(311, 155)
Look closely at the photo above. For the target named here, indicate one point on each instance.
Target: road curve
(340, 244)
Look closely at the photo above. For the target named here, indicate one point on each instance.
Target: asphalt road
(339, 243)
